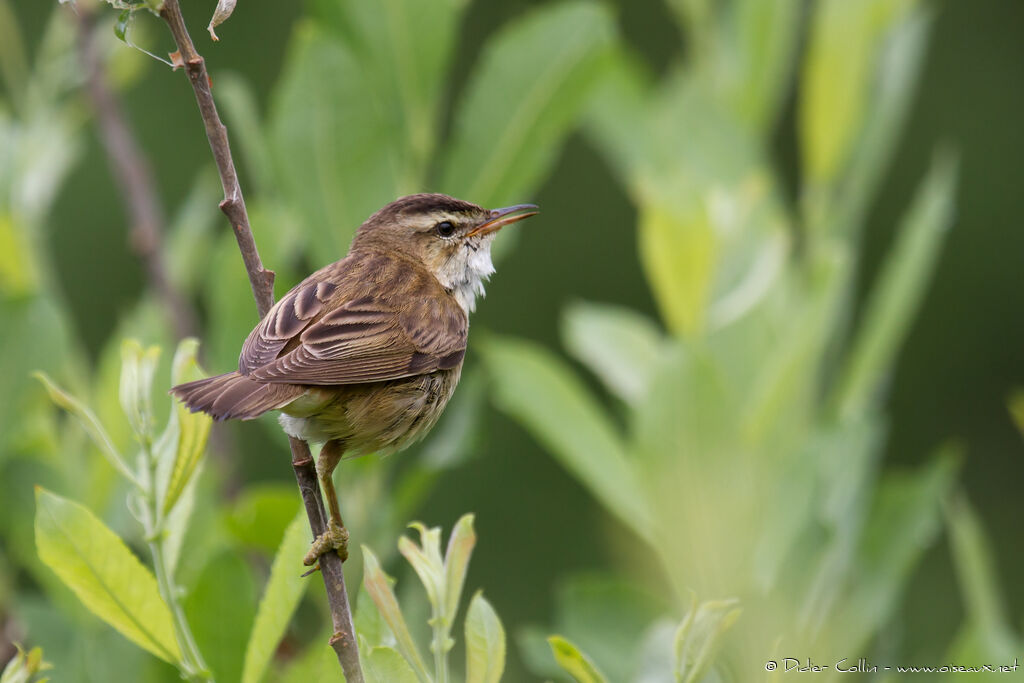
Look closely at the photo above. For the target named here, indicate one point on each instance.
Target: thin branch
(134, 180)
(233, 204)
(262, 282)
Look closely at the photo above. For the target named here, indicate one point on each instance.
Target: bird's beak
(502, 217)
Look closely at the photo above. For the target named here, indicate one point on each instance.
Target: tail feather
(235, 396)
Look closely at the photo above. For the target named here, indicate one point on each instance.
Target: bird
(363, 355)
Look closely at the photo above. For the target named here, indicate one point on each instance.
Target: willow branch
(262, 282)
(134, 181)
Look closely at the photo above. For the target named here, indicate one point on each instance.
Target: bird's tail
(235, 396)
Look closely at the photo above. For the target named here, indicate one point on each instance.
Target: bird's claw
(335, 538)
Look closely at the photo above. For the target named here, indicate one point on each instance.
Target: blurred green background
(961, 360)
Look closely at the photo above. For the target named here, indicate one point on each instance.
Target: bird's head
(451, 238)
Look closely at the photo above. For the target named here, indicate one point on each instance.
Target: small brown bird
(364, 354)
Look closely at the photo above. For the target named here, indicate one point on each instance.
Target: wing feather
(315, 336)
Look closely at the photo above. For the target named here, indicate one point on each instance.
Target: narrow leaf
(843, 49)
(540, 391)
(285, 588)
(121, 25)
(979, 584)
(336, 146)
(678, 249)
(109, 580)
(904, 519)
(193, 429)
(405, 47)
(617, 344)
(456, 563)
(378, 586)
(138, 366)
(485, 642)
(530, 84)
(899, 289)
(89, 422)
(574, 662)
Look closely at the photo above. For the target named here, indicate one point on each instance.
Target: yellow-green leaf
(485, 642)
(530, 84)
(193, 428)
(456, 562)
(378, 586)
(89, 422)
(574, 662)
(677, 249)
(280, 598)
(109, 580)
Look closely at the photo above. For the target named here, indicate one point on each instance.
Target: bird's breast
(379, 417)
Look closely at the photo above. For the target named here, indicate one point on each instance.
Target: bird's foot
(335, 538)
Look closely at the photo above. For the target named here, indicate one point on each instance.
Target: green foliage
(280, 599)
(759, 402)
(24, 666)
(96, 564)
(741, 432)
(443, 578)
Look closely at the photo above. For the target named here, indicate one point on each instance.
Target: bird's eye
(445, 229)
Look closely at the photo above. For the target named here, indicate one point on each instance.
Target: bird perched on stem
(363, 355)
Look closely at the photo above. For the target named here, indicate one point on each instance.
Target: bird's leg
(336, 535)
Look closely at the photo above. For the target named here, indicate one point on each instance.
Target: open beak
(502, 217)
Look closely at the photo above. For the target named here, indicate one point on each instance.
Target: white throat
(466, 271)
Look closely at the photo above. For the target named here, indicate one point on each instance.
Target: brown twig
(262, 282)
(134, 180)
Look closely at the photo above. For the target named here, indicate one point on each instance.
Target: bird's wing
(314, 336)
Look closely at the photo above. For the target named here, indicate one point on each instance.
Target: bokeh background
(956, 369)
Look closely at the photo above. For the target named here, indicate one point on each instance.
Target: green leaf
(19, 272)
(369, 623)
(89, 422)
(617, 344)
(700, 634)
(281, 596)
(138, 366)
(337, 147)
(24, 666)
(754, 58)
(406, 47)
(539, 390)
(678, 252)
(426, 560)
(987, 624)
(121, 25)
(841, 55)
(193, 429)
(384, 665)
(220, 610)
(893, 92)
(899, 289)
(904, 519)
(485, 642)
(241, 109)
(378, 586)
(574, 662)
(530, 84)
(109, 580)
(456, 563)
